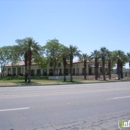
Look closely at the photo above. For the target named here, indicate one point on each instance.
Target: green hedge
(22, 78)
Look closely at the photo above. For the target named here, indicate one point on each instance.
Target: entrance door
(51, 72)
(90, 71)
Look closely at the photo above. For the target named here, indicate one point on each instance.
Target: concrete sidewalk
(59, 83)
(104, 122)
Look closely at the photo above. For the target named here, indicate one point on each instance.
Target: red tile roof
(20, 63)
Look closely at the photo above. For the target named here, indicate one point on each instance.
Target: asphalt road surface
(65, 107)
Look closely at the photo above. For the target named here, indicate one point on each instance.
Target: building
(78, 69)
(126, 71)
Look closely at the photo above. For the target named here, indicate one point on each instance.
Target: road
(65, 107)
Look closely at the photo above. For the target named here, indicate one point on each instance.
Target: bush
(22, 78)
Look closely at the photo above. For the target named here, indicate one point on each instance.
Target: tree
(84, 58)
(40, 60)
(65, 56)
(73, 52)
(53, 51)
(96, 55)
(28, 48)
(103, 53)
(14, 55)
(128, 55)
(109, 59)
(4, 57)
(120, 57)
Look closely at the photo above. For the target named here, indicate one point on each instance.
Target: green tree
(84, 58)
(28, 48)
(96, 55)
(128, 55)
(110, 62)
(14, 55)
(40, 60)
(53, 51)
(120, 59)
(104, 54)
(73, 52)
(65, 56)
(4, 57)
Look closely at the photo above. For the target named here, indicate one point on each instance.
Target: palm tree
(26, 63)
(84, 58)
(73, 52)
(95, 55)
(65, 56)
(28, 48)
(109, 59)
(120, 57)
(103, 53)
(128, 55)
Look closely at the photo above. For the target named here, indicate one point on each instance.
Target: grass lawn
(19, 80)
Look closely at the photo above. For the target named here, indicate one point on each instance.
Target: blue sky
(88, 24)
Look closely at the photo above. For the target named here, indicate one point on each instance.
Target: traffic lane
(56, 109)
(90, 96)
(43, 115)
(35, 89)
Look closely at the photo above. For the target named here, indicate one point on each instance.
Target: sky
(87, 24)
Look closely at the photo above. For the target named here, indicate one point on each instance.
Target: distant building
(125, 71)
(78, 69)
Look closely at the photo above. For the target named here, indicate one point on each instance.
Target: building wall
(77, 69)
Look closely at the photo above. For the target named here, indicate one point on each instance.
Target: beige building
(78, 69)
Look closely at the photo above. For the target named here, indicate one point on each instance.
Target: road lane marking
(15, 109)
(118, 98)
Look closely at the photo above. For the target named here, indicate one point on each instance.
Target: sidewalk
(104, 122)
(40, 83)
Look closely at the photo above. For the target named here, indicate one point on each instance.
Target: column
(16, 71)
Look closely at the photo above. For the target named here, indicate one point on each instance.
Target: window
(38, 72)
(45, 72)
(19, 70)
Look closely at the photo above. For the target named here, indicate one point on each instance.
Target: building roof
(77, 61)
(20, 63)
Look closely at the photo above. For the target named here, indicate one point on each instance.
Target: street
(65, 107)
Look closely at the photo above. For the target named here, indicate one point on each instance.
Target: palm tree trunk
(129, 67)
(29, 67)
(103, 67)
(95, 68)
(118, 68)
(25, 57)
(64, 64)
(121, 69)
(71, 65)
(84, 69)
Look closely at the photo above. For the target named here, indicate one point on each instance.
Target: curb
(31, 85)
